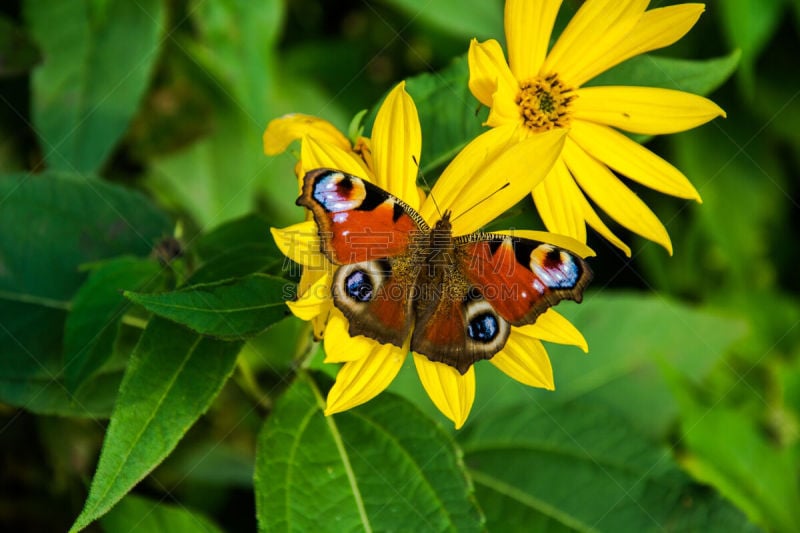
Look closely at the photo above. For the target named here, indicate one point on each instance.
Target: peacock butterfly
(460, 295)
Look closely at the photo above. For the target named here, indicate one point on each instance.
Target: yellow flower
(478, 171)
(536, 91)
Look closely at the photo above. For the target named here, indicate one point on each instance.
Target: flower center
(544, 103)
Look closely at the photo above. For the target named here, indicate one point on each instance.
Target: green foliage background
(150, 377)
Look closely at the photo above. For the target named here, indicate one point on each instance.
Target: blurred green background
(696, 355)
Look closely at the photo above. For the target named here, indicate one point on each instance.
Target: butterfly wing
(495, 281)
(459, 328)
(369, 233)
(521, 278)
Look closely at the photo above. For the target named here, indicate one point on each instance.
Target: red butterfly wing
(357, 221)
(521, 278)
(368, 232)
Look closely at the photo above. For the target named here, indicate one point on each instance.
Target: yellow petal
(314, 300)
(556, 199)
(300, 242)
(494, 169)
(320, 322)
(584, 66)
(594, 222)
(450, 392)
(504, 108)
(631, 159)
(340, 347)
(609, 193)
(596, 28)
(562, 241)
(656, 29)
(528, 26)
(553, 327)
(282, 131)
(319, 154)
(487, 65)
(396, 145)
(646, 110)
(525, 359)
(359, 381)
(308, 278)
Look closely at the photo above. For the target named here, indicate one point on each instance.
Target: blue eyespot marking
(557, 270)
(338, 192)
(483, 328)
(358, 286)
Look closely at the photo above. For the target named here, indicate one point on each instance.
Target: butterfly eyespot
(483, 328)
(338, 192)
(358, 286)
(556, 268)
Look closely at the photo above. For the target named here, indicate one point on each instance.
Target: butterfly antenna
(427, 185)
(479, 202)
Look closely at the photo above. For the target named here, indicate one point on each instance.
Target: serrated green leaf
(172, 377)
(136, 513)
(229, 309)
(382, 466)
(580, 467)
(96, 312)
(97, 65)
(68, 221)
(694, 76)
(462, 18)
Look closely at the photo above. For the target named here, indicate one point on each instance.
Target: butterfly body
(456, 297)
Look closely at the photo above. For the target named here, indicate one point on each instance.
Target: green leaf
(450, 117)
(172, 378)
(631, 339)
(448, 113)
(727, 173)
(580, 467)
(237, 45)
(693, 76)
(462, 18)
(135, 513)
(239, 261)
(98, 57)
(226, 174)
(46, 394)
(727, 451)
(749, 25)
(240, 247)
(97, 309)
(249, 229)
(381, 466)
(229, 309)
(208, 462)
(52, 224)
